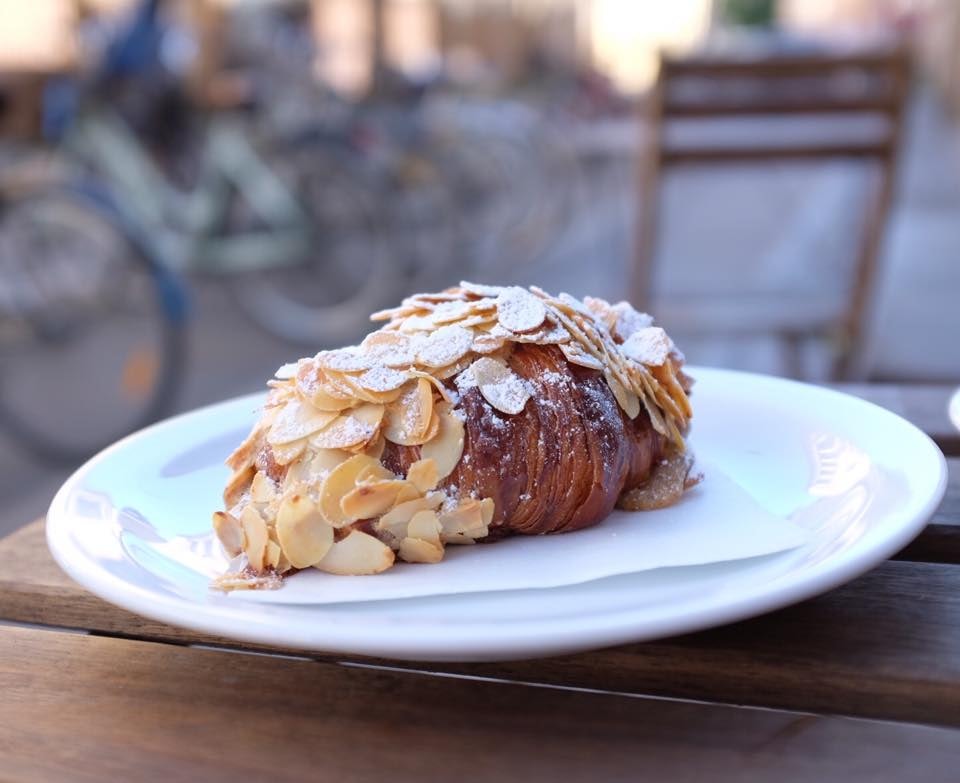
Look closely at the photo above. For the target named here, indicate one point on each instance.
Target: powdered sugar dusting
(520, 311)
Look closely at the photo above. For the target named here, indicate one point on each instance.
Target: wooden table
(860, 684)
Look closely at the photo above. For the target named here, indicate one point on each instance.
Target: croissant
(475, 413)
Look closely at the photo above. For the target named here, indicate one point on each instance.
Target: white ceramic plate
(132, 526)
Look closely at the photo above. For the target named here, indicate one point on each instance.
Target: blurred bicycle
(90, 232)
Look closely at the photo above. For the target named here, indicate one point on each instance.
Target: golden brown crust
(560, 464)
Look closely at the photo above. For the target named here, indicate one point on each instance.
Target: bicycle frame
(188, 227)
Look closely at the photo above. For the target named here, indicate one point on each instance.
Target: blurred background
(193, 192)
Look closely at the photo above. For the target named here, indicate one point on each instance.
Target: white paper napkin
(715, 522)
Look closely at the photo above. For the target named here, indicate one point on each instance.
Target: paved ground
(722, 232)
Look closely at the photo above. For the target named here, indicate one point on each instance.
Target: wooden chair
(694, 90)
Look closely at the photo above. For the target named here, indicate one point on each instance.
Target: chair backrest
(863, 95)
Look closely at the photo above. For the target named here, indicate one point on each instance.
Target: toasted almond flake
(297, 420)
(628, 321)
(447, 447)
(403, 512)
(353, 428)
(426, 526)
(649, 346)
(576, 355)
(394, 349)
(345, 360)
(480, 290)
(520, 311)
(242, 457)
(381, 378)
(371, 499)
(304, 534)
(341, 480)
(375, 471)
(442, 373)
(423, 474)
(245, 581)
(487, 508)
(375, 447)
(437, 384)
(286, 371)
(480, 320)
(286, 453)
(450, 312)
(416, 323)
(271, 556)
(262, 489)
(626, 399)
(358, 553)
(446, 345)
(466, 519)
(414, 550)
(229, 531)
(323, 401)
(254, 537)
(408, 418)
(393, 312)
(499, 385)
(237, 485)
(325, 460)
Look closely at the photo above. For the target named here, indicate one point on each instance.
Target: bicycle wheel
(91, 325)
(327, 297)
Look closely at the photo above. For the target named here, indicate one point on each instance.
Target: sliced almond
(296, 420)
(650, 346)
(394, 349)
(254, 537)
(487, 508)
(499, 385)
(402, 513)
(626, 399)
(433, 429)
(520, 311)
(426, 526)
(418, 322)
(577, 355)
(370, 499)
(342, 480)
(437, 384)
(243, 456)
(423, 474)
(443, 347)
(375, 448)
(442, 373)
(407, 492)
(304, 534)
(262, 489)
(415, 550)
(271, 556)
(345, 360)
(237, 485)
(480, 290)
(358, 553)
(323, 401)
(408, 418)
(325, 460)
(288, 452)
(464, 520)
(446, 448)
(355, 427)
(381, 378)
(229, 531)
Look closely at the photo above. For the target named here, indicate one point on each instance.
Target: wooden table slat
(85, 708)
(886, 645)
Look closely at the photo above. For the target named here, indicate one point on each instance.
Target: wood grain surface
(887, 645)
(83, 708)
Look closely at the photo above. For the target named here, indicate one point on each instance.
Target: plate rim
(550, 636)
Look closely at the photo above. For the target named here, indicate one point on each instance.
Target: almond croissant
(475, 413)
